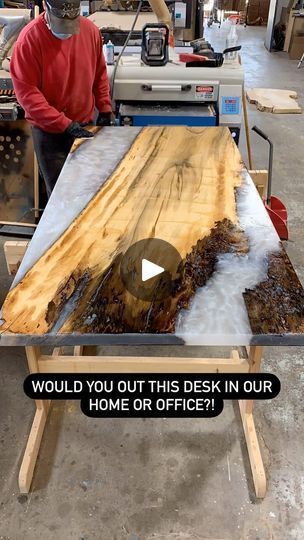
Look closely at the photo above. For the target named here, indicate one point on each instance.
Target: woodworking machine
(175, 94)
(17, 154)
(11, 23)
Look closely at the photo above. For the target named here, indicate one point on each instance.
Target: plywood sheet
(274, 101)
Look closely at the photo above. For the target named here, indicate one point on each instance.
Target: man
(59, 76)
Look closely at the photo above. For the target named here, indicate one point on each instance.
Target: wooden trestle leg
(94, 364)
(35, 436)
(246, 408)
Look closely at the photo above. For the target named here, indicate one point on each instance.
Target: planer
(175, 94)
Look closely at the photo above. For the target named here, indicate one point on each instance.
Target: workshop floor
(171, 479)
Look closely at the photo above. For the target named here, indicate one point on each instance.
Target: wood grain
(174, 183)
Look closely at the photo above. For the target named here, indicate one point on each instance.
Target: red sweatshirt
(59, 81)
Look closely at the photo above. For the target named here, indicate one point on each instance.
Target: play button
(151, 269)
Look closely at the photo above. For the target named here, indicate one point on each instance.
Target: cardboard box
(296, 48)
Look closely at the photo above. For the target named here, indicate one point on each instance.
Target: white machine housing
(176, 83)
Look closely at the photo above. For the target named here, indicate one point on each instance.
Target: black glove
(105, 119)
(78, 132)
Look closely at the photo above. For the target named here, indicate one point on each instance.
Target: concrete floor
(171, 479)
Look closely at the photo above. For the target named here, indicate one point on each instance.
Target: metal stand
(58, 363)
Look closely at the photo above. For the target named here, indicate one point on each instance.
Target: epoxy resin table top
(186, 186)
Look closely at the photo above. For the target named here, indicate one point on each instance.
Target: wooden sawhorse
(59, 363)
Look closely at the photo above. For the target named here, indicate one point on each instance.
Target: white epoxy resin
(217, 313)
(83, 174)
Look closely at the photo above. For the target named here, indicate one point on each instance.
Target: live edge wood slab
(182, 185)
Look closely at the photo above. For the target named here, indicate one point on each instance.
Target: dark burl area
(276, 305)
(103, 305)
(108, 311)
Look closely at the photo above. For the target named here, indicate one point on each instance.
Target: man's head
(63, 16)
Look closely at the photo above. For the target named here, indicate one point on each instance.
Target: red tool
(199, 60)
(275, 208)
(235, 18)
(190, 57)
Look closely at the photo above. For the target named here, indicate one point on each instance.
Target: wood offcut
(274, 101)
